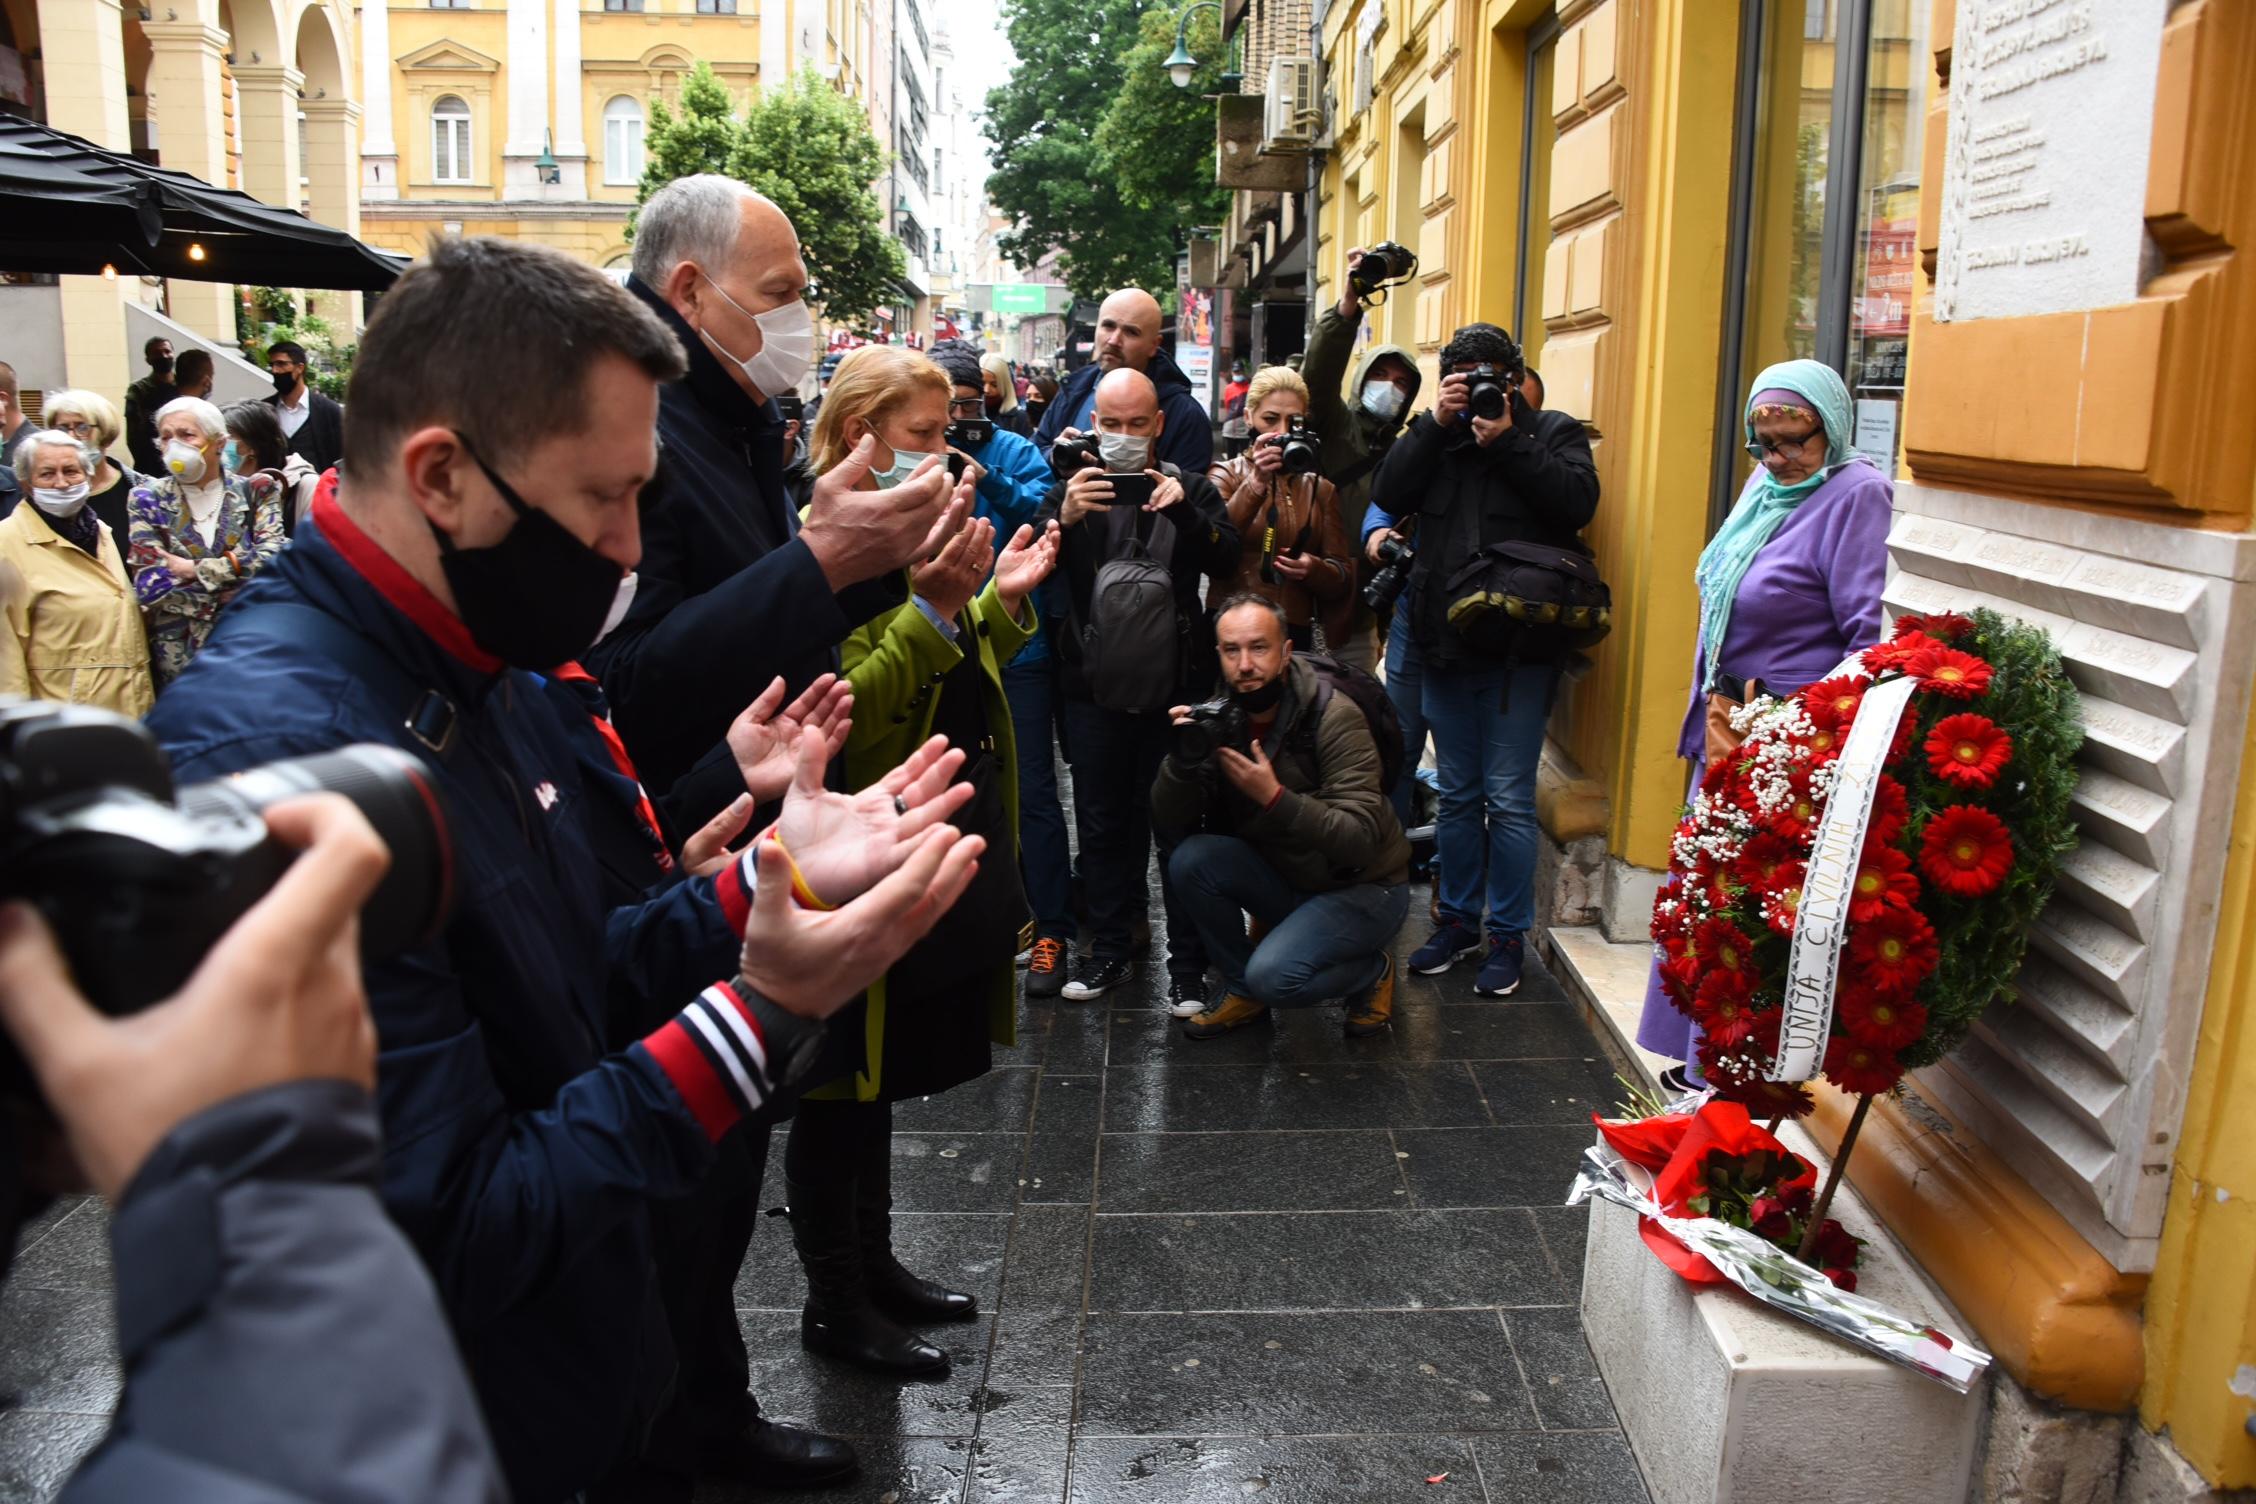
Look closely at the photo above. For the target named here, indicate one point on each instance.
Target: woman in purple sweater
(1789, 586)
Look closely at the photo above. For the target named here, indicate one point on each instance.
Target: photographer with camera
(485, 520)
(1482, 471)
(1359, 426)
(1274, 798)
(279, 1338)
(1128, 339)
(1296, 551)
(1136, 535)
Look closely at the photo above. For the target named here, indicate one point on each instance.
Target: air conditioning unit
(1292, 112)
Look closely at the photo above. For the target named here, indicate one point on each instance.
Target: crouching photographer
(1498, 492)
(1283, 781)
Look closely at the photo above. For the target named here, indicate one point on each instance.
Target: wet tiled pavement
(1280, 1263)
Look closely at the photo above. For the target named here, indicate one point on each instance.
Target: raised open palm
(846, 843)
(765, 739)
(1026, 563)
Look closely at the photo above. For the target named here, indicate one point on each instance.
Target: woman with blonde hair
(930, 667)
(1002, 394)
(89, 418)
(1297, 552)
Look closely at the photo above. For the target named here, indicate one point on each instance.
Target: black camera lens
(1069, 456)
(1194, 741)
(1301, 455)
(1382, 265)
(1487, 397)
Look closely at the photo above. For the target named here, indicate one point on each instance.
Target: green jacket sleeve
(993, 619)
(892, 663)
(1346, 818)
(1323, 366)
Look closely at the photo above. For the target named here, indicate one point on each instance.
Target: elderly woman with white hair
(70, 628)
(90, 418)
(198, 533)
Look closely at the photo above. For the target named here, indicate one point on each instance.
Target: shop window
(450, 141)
(716, 7)
(1824, 209)
(623, 5)
(622, 140)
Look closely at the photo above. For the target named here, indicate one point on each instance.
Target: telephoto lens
(1382, 266)
(139, 883)
(1069, 456)
(1395, 559)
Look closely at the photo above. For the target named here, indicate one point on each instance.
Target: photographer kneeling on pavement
(1282, 782)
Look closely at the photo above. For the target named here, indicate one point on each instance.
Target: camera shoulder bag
(1525, 601)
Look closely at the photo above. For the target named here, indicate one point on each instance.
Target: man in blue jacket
(1128, 337)
(1014, 482)
(485, 522)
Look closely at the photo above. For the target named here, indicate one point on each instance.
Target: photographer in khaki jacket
(1280, 780)
(1295, 550)
(70, 626)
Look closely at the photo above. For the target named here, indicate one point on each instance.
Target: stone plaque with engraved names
(2080, 1084)
(2044, 178)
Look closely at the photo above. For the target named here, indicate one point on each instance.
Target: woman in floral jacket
(198, 533)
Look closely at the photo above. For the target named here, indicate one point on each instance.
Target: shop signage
(1022, 297)
(2044, 180)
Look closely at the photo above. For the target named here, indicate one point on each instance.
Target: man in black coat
(314, 424)
(1115, 753)
(142, 399)
(1128, 339)
(732, 590)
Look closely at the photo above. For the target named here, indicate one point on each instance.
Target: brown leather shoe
(1374, 1010)
(1232, 1012)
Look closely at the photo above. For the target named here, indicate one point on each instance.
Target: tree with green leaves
(808, 149)
(1092, 161)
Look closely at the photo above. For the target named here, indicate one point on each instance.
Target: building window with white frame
(622, 140)
(450, 141)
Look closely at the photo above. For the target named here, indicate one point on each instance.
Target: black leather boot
(767, 1455)
(894, 1290)
(840, 1320)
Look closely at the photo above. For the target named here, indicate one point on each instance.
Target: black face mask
(1263, 700)
(161, 369)
(284, 383)
(538, 597)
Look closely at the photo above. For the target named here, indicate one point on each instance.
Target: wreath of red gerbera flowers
(1966, 851)
(1968, 751)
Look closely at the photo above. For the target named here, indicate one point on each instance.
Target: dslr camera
(1383, 265)
(1219, 723)
(1301, 455)
(970, 433)
(1395, 558)
(138, 878)
(1070, 456)
(1492, 392)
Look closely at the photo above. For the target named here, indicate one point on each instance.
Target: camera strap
(427, 716)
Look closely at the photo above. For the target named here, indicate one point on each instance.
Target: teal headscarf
(1766, 505)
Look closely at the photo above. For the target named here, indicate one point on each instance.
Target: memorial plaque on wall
(2044, 177)
(2081, 1082)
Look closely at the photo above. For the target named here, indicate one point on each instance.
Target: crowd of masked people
(747, 717)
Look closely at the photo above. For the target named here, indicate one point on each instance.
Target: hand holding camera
(1371, 272)
(1166, 491)
(1454, 397)
(1291, 450)
(1075, 451)
(1089, 490)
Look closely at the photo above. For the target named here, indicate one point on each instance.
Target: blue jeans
(1403, 676)
(1487, 742)
(1044, 859)
(1115, 757)
(1319, 945)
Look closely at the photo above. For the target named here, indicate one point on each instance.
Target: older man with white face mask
(732, 591)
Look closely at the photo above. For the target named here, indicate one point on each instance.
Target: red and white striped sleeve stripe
(716, 1055)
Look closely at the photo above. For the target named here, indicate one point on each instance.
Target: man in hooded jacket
(1356, 426)
(1128, 336)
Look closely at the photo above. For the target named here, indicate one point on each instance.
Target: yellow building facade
(1646, 191)
(525, 118)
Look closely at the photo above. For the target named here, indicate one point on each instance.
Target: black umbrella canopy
(69, 206)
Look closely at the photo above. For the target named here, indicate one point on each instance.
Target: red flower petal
(1949, 672)
(1968, 751)
(1861, 1069)
(1893, 952)
(1966, 851)
(1884, 1022)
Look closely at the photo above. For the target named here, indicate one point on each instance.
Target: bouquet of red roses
(1969, 818)
(1717, 1163)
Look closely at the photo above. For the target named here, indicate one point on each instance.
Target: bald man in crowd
(1115, 752)
(1128, 339)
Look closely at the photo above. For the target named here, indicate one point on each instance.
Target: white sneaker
(1186, 998)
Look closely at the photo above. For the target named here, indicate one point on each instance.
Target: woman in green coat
(932, 666)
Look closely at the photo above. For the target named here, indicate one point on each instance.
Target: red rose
(1890, 810)
(1968, 750)
(1834, 1248)
(1884, 1022)
(1832, 703)
(1966, 851)
(1894, 951)
(1861, 1069)
(1768, 1218)
(1949, 672)
(1883, 880)
(1844, 1278)
(1897, 650)
(1768, 863)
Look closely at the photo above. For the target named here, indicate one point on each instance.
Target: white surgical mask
(904, 465)
(787, 344)
(619, 605)
(1383, 400)
(184, 460)
(61, 502)
(1124, 453)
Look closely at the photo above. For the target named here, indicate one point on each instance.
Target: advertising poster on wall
(1194, 341)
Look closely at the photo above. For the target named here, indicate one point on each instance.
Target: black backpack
(1132, 644)
(1334, 677)
(1529, 602)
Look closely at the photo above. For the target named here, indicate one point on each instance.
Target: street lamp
(545, 166)
(1180, 65)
